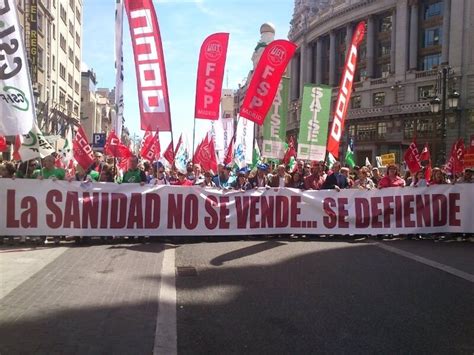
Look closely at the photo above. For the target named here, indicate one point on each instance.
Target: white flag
(117, 116)
(243, 150)
(367, 162)
(17, 107)
(35, 145)
(67, 153)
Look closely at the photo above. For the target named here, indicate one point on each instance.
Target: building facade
(53, 38)
(413, 51)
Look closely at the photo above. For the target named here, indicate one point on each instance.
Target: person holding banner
(281, 178)
(242, 183)
(260, 179)
(159, 176)
(134, 174)
(97, 165)
(224, 180)
(467, 176)
(208, 175)
(335, 181)
(297, 181)
(392, 179)
(26, 169)
(364, 182)
(315, 180)
(49, 171)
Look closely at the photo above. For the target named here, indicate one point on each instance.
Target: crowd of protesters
(304, 175)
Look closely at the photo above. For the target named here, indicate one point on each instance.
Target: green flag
(256, 157)
(350, 154)
(314, 122)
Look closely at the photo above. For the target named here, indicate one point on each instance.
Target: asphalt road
(259, 296)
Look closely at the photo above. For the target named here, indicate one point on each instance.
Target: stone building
(413, 52)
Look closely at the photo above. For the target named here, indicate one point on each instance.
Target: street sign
(98, 140)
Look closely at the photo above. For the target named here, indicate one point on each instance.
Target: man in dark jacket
(335, 181)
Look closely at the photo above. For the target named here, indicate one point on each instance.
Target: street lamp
(437, 104)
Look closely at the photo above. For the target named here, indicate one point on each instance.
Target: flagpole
(194, 136)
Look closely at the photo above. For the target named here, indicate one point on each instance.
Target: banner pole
(194, 137)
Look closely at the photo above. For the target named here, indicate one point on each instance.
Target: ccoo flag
(345, 91)
(17, 110)
(210, 74)
(266, 79)
(150, 65)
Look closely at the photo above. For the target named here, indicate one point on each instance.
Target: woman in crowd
(364, 182)
(242, 182)
(297, 181)
(7, 170)
(392, 179)
(26, 168)
(207, 182)
(159, 176)
(437, 177)
(419, 179)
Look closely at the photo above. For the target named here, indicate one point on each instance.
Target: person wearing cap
(159, 176)
(97, 165)
(315, 180)
(281, 178)
(260, 179)
(392, 179)
(467, 176)
(224, 180)
(242, 183)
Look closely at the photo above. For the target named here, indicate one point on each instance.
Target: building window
(62, 71)
(425, 127)
(76, 109)
(62, 98)
(366, 131)
(432, 37)
(378, 99)
(76, 87)
(78, 39)
(425, 92)
(54, 62)
(384, 48)
(78, 15)
(385, 24)
(77, 63)
(69, 80)
(40, 58)
(431, 61)
(409, 128)
(432, 10)
(71, 55)
(381, 129)
(352, 130)
(40, 21)
(62, 42)
(71, 4)
(356, 101)
(71, 28)
(62, 13)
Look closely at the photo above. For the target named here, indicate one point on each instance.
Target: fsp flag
(345, 91)
(34, 145)
(274, 127)
(266, 79)
(17, 110)
(119, 104)
(210, 75)
(314, 122)
(150, 65)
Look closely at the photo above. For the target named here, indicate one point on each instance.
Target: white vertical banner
(244, 142)
(17, 106)
(117, 118)
(224, 131)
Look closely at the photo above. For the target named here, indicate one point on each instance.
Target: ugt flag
(150, 65)
(266, 79)
(210, 75)
(17, 107)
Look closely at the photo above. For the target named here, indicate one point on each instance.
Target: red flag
(123, 164)
(197, 152)
(210, 75)
(151, 150)
(266, 79)
(229, 155)
(147, 139)
(3, 143)
(290, 152)
(82, 150)
(345, 90)
(169, 154)
(115, 147)
(412, 158)
(206, 154)
(150, 65)
(455, 163)
(426, 156)
(16, 148)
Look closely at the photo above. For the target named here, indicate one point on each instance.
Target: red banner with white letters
(210, 74)
(114, 147)
(150, 65)
(412, 158)
(81, 149)
(345, 91)
(266, 79)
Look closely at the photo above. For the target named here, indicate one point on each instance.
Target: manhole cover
(186, 271)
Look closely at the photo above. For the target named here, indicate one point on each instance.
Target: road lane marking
(166, 328)
(446, 268)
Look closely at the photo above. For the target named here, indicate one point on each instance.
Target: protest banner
(49, 207)
(388, 159)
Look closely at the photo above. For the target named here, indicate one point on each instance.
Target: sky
(184, 24)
